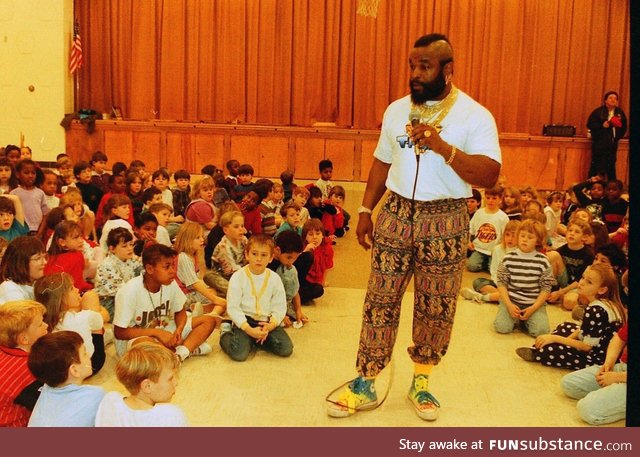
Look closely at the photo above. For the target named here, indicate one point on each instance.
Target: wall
(34, 50)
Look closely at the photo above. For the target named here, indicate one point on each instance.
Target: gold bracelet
(452, 155)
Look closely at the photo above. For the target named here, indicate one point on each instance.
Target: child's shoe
(182, 352)
(471, 294)
(203, 349)
(225, 327)
(526, 354)
(358, 395)
(425, 404)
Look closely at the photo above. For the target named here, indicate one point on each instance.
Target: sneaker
(225, 327)
(203, 349)
(577, 313)
(425, 404)
(471, 294)
(182, 352)
(358, 395)
(526, 354)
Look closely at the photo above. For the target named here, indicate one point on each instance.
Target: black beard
(430, 91)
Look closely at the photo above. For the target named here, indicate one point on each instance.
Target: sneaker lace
(421, 391)
(356, 393)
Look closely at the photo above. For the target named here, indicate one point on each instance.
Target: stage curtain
(297, 62)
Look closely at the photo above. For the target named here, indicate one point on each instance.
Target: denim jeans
(238, 345)
(478, 261)
(537, 324)
(597, 405)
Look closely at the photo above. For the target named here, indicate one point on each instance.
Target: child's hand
(167, 339)
(543, 340)
(257, 333)
(526, 313)
(514, 311)
(287, 321)
(606, 378)
(300, 317)
(555, 297)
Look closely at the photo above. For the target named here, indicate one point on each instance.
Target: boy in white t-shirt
(149, 373)
(162, 212)
(485, 229)
(150, 307)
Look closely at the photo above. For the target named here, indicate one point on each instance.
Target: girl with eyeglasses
(22, 264)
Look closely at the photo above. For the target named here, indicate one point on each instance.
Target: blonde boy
(21, 324)
(569, 262)
(256, 302)
(149, 372)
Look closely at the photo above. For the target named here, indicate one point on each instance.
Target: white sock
(183, 352)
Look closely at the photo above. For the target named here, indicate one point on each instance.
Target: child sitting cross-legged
(228, 254)
(290, 213)
(288, 248)
(21, 324)
(150, 307)
(67, 311)
(60, 360)
(524, 282)
(189, 245)
(120, 265)
(149, 373)
(116, 211)
(257, 304)
(573, 347)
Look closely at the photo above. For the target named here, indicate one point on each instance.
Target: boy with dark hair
(231, 180)
(553, 214)
(485, 229)
(181, 192)
(614, 207)
(120, 265)
(267, 210)
(245, 185)
(150, 307)
(474, 202)
(160, 180)
(21, 324)
(162, 212)
(61, 362)
(286, 177)
(256, 321)
(339, 221)
(91, 194)
(594, 201)
(324, 182)
(150, 196)
(12, 223)
(288, 247)
(146, 229)
(99, 175)
(139, 167)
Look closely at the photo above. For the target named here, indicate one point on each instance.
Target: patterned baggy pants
(426, 240)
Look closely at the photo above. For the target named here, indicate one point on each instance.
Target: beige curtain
(296, 62)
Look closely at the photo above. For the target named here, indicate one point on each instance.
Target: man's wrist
(364, 210)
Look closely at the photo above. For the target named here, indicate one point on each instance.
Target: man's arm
(373, 193)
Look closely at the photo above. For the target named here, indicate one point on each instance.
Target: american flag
(75, 59)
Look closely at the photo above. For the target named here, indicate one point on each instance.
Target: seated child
(181, 192)
(67, 311)
(602, 390)
(201, 209)
(117, 185)
(86, 217)
(160, 179)
(527, 194)
(231, 180)
(215, 235)
(34, 204)
(576, 347)
(118, 267)
(511, 203)
(64, 167)
(312, 264)
(99, 175)
(338, 223)
(525, 278)
(21, 324)
(473, 203)
(228, 255)
(189, 245)
(134, 192)
(278, 195)
(12, 223)
(49, 186)
(91, 194)
(23, 262)
(150, 196)
(249, 207)
(569, 262)
(60, 360)
(286, 177)
(256, 302)
(150, 307)
(486, 290)
(8, 179)
(300, 196)
(149, 373)
(288, 248)
(162, 212)
(117, 211)
(145, 231)
(245, 185)
(553, 212)
(317, 207)
(614, 207)
(290, 214)
(267, 211)
(325, 167)
(220, 194)
(65, 254)
(485, 228)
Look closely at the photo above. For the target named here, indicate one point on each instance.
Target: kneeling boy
(150, 307)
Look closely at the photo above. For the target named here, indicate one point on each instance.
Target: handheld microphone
(414, 120)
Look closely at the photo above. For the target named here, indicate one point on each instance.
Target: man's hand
(364, 231)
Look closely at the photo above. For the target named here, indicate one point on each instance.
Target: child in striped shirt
(525, 278)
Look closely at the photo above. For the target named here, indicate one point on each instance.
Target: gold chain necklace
(435, 114)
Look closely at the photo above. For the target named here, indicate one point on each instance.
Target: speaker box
(558, 130)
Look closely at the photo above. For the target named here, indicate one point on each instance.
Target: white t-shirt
(135, 306)
(10, 291)
(487, 229)
(271, 301)
(162, 236)
(83, 323)
(114, 412)
(469, 127)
